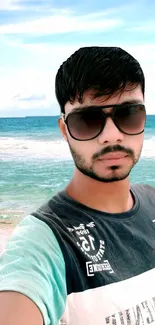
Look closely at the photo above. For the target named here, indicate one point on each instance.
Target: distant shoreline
(40, 116)
(35, 116)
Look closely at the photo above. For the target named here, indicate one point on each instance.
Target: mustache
(115, 148)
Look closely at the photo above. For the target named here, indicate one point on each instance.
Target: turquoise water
(36, 162)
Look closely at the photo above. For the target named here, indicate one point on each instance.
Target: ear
(62, 127)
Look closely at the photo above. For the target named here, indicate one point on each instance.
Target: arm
(17, 309)
(32, 271)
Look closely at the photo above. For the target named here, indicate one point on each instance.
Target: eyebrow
(132, 101)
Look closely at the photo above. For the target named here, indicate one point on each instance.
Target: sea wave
(55, 149)
(15, 147)
(149, 148)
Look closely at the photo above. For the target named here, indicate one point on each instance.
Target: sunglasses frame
(111, 115)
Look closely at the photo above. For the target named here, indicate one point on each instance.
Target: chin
(114, 174)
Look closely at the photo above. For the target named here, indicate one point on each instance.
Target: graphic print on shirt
(94, 251)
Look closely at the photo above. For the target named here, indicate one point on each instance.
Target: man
(88, 255)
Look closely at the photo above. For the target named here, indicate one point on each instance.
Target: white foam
(15, 147)
(149, 148)
(56, 149)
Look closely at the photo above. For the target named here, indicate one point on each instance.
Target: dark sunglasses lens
(131, 119)
(85, 125)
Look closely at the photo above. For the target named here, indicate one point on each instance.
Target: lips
(113, 155)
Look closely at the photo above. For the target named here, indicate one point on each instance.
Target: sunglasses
(87, 123)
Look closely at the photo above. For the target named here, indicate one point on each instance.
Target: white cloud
(63, 23)
(144, 53)
(24, 84)
(147, 26)
(9, 5)
(43, 60)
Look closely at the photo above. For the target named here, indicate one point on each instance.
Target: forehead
(89, 100)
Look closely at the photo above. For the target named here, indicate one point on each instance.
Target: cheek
(140, 140)
(137, 143)
(83, 148)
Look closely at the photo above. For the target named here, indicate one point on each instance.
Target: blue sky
(38, 35)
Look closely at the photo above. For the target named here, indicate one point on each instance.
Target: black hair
(106, 70)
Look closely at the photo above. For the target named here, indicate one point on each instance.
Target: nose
(110, 133)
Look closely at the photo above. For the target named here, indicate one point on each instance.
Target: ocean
(36, 163)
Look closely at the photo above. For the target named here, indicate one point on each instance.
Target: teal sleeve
(33, 264)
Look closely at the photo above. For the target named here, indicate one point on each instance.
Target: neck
(114, 197)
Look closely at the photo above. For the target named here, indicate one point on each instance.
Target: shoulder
(51, 207)
(35, 238)
(57, 211)
(145, 192)
(143, 188)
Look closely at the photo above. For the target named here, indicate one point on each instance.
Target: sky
(36, 36)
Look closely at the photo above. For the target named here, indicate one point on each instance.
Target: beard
(113, 173)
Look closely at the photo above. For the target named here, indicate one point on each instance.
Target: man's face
(112, 154)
